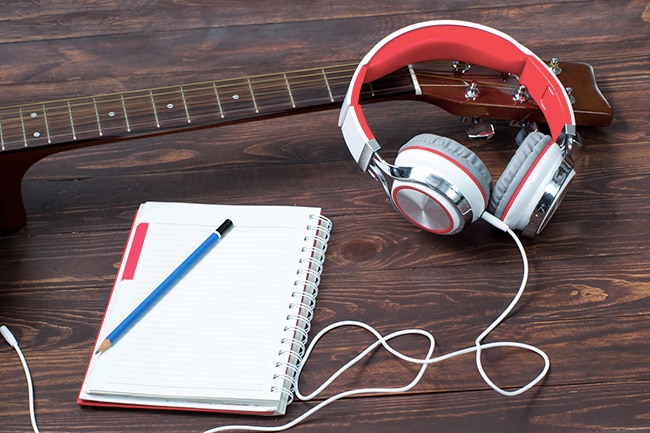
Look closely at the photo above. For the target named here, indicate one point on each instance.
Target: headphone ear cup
(523, 167)
(457, 188)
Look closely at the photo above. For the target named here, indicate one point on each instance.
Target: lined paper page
(216, 334)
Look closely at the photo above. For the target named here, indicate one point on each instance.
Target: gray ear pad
(514, 173)
(459, 153)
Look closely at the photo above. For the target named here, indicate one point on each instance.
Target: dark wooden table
(588, 300)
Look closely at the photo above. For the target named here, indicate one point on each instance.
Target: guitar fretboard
(169, 108)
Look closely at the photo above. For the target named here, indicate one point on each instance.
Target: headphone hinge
(568, 137)
(377, 167)
(367, 153)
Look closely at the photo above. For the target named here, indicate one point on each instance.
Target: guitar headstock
(475, 92)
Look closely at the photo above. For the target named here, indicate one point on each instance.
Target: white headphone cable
(9, 337)
(478, 348)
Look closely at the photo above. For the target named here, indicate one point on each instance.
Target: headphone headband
(452, 40)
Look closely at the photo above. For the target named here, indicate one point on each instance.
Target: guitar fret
(99, 122)
(286, 81)
(22, 125)
(2, 138)
(187, 110)
(47, 126)
(126, 116)
(155, 111)
(327, 84)
(216, 93)
(250, 88)
(74, 132)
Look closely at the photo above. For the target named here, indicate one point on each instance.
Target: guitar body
(31, 132)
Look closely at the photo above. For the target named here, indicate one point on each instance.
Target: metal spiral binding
(301, 309)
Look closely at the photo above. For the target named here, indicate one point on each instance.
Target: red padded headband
(459, 41)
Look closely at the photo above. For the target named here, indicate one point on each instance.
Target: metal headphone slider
(568, 137)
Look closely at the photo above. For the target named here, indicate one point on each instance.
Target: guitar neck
(33, 131)
(165, 109)
(91, 120)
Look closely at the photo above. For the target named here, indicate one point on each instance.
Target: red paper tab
(131, 263)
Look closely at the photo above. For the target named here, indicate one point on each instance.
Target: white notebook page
(216, 334)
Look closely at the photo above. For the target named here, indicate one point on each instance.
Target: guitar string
(139, 103)
(145, 95)
(316, 72)
(85, 108)
(85, 111)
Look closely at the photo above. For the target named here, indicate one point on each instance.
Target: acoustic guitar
(33, 131)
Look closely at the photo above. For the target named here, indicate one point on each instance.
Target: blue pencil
(160, 291)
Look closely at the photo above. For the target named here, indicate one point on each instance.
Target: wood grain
(588, 298)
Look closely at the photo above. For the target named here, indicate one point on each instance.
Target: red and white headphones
(440, 185)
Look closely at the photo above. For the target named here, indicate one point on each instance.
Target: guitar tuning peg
(460, 67)
(578, 143)
(478, 129)
(521, 95)
(472, 91)
(569, 92)
(525, 128)
(554, 65)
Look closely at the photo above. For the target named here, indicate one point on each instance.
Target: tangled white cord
(478, 348)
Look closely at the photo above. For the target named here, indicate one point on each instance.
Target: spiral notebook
(230, 334)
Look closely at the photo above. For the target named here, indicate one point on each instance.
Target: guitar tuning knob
(460, 67)
(520, 95)
(554, 65)
(569, 92)
(472, 91)
(525, 128)
(478, 129)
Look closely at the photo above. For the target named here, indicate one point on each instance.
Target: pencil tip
(105, 345)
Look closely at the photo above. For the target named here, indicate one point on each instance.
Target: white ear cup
(532, 185)
(539, 192)
(507, 187)
(458, 190)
